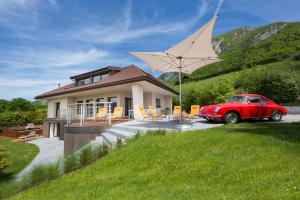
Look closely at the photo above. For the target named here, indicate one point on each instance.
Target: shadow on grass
(284, 131)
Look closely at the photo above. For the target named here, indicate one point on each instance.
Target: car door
(255, 108)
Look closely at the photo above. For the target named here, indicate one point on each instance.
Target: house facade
(128, 87)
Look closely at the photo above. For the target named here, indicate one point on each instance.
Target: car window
(255, 99)
(264, 100)
(240, 99)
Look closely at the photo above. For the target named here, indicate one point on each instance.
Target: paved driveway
(51, 150)
(291, 118)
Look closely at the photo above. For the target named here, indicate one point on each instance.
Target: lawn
(244, 161)
(20, 155)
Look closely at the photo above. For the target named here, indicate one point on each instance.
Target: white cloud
(33, 58)
(24, 82)
(121, 31)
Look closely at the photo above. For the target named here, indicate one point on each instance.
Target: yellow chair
(102, 113)
(143, 112)
(177, 110)
(118, 112)
(195, 109)
(152, 109)
(155, 114)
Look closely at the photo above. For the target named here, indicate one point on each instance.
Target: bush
(70, 163)
(86, 156)
(275, 84)
(4, 163)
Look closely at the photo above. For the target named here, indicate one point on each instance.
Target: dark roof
(125, 75)
(97, 71)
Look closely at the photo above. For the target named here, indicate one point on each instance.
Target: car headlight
(217, 109)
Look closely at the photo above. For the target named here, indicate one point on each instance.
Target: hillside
(248, 47)
(244, 161)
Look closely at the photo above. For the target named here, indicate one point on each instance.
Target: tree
(3, 105)
(276, 84)
(20, 104)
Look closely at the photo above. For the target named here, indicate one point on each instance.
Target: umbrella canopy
(194, 52)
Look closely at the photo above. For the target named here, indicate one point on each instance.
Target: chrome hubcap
(276, 116)
(231, 118)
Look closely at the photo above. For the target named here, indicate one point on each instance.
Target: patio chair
(144, 113)
(102, 113)
(118, 112)
(195, 109)
(154, 114)
(177, 110)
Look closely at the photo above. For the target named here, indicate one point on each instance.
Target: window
(89, 108)
(255, 99)
(57, 110)
(157, 103)
(99, 103)
(84, 81)
(240, 99)
(113, 101)
(78, 107)
(99, 78)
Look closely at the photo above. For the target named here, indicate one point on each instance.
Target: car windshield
(240, 99)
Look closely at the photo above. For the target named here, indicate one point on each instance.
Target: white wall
(52, 105)
(138, 100)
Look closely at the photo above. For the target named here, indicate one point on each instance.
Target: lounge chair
(195, 109)
(30, 126)
(102, 113)
(30, 135)
(118, 113)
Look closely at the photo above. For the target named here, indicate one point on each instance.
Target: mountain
(247, 47)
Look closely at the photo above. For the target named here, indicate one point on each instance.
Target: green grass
(20, 155)
(244, 161)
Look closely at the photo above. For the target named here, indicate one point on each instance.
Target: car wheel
(232, 117)
(276, 116)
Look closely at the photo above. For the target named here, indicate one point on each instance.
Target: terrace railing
(85, 111)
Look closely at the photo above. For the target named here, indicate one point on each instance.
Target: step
(123, 135)
(110, 139)
(135, 129)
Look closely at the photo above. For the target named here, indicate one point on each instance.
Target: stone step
(110, 139)
(121, 134)
(135, 129)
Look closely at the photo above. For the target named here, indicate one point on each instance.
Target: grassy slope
(245, 161)
(20, 155)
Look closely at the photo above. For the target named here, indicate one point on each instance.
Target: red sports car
(244, 106)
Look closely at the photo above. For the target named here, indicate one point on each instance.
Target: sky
(44, 42)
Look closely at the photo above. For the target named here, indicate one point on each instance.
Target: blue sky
(44, 42)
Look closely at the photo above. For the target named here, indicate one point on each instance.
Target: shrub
(37, 175)
(70, 163)
(86, 156)
(276, 84)
(158, 132)
(4, 163)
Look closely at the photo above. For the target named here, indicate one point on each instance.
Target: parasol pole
(180, 87)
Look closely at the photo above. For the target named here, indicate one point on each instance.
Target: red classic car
(244, 106)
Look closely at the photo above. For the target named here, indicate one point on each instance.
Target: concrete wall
(293, 109)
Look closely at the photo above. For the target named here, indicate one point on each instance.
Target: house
(128, 87)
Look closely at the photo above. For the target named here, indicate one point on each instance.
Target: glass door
(128, 106)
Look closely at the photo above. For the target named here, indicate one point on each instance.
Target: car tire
(276, 116)
(232, 117)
